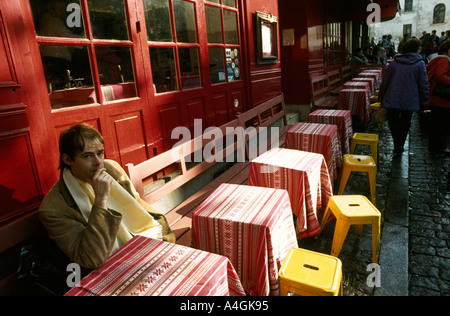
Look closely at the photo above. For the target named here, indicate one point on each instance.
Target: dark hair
(444, 47)
(412, 46)
(73, 140)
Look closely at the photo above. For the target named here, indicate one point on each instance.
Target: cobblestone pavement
(427, 219)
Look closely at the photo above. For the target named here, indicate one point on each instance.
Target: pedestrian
(439, 78)
(403, 90)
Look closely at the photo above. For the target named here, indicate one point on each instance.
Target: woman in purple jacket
(403, 90)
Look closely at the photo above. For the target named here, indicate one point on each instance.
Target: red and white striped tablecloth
(373, 75)
(342, 119)
(371, 82)
(304, 175)
(253, 227)
(357, 101)
(320, 139)
(357, 85)
(149, 267)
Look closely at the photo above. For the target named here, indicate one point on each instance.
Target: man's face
(88, 161)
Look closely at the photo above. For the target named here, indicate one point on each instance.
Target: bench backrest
(347, 73)
(222, 142)
(256, 123)
(334, 79)
(320, 87)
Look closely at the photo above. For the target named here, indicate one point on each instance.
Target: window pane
(213, 24)
(115, 68)
(68, 75)
(157, 18)
(233, 64)
(217, 65)
(52, 19)
(230, 22)
(185, 21)
(189, 67)
(163, 69)
(108, 19)
(230, 3)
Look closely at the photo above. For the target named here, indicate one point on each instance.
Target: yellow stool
(352, 210)
(309, 273)
(359, 163)
(377, 107)
(366, 139)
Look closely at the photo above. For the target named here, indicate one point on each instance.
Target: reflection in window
(185, 21)
(51, 17)
(157, 18)
(216, 65)
(230, 23)
(115, 69)
(163, 69)
(230, 3)
(108, 19)
(67, 67)
(213, 24)
(189, 67)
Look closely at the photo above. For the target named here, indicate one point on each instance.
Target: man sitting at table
(94, 209)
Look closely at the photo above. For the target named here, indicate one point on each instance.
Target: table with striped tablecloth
(253, 227)
(320, 139)
(304, 175)
(342, 119)
(374, 75)
(371, 81)
(149, 267)
(358, 85)
(357, 101)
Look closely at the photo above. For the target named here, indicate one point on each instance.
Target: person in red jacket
(439, 72)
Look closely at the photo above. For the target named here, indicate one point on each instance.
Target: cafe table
(358, 85)
(304, 175)
(342, 119)
(253, 227)
(150, 267)
(373, 75)
(371, 82)
(320, 139)
(357, 101)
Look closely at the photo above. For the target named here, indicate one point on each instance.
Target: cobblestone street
(414, 198)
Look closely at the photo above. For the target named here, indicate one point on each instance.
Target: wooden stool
(309, 273)
(359, 163)
(352, 210)
(368, 140)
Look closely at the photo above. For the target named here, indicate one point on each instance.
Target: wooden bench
(321, 97)
(180, 216)
(335, 81)
(346, 74)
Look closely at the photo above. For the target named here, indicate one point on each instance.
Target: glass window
(108, 19)
(163, 69)
(214, 24)
(216, 65)
(58, 18)
(185, 21)
(439, 14)
(189, 68)
(230, 3)
(230, 23)
(157, 18)
(233, 64)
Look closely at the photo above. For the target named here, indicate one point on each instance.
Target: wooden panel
(221, 109)
(170, 119)
(19, 186)
(266, 84)
(129, 133)
(196, 110)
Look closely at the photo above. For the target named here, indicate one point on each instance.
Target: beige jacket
(89, 243)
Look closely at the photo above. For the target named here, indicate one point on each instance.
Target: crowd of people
(416, 78)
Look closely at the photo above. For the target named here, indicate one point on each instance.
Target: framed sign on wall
(266, 38)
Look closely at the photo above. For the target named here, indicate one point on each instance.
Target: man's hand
(101, 183)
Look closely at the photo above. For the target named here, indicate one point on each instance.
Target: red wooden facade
(198, 80)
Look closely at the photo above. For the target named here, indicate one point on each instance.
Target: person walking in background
(403, 90)
(439, 78)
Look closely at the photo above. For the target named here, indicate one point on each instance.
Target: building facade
(415, 17)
